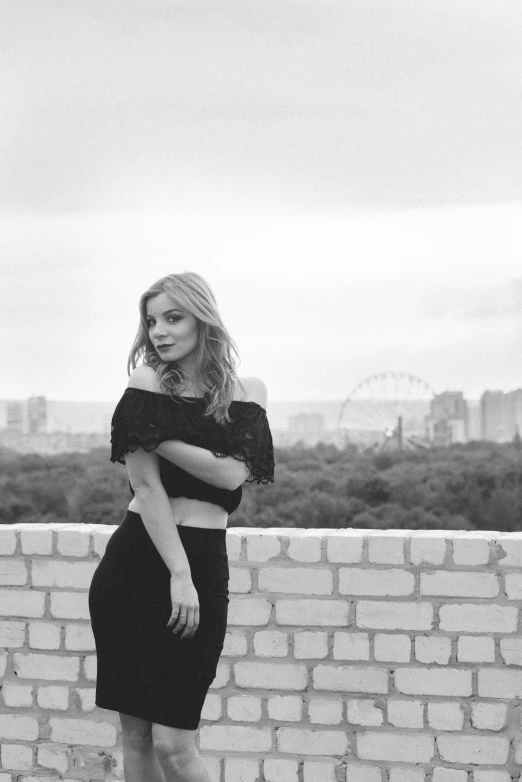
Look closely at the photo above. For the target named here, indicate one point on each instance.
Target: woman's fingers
(185, 622)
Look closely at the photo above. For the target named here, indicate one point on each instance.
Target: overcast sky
(347, 175)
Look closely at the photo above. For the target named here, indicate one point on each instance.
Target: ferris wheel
(387, 411)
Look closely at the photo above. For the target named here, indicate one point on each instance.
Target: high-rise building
(448, 419)
(36, 414)
(15, 416)
(492, 416)
(513, 413)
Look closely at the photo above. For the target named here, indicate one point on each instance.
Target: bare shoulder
(144, 377)
(252, 389)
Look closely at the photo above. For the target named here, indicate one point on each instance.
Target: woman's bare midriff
(192, 513)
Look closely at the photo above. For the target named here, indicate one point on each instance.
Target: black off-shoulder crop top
(144, 419)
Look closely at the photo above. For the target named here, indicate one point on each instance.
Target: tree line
(472, 486)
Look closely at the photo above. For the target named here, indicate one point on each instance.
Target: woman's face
(172, 330)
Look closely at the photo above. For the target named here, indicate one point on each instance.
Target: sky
(346, 175)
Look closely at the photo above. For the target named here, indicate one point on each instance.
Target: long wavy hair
(216, 357)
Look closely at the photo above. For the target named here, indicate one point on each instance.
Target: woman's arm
(223, 472)
(157, 516)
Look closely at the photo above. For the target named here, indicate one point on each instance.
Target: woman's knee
(173, 746)
(137, 733)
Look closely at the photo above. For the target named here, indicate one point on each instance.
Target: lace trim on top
(144, 419)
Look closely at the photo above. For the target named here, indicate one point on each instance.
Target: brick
(100, 538)
(46, 666)
(213, 766)
(298, 581)
(344, 547)
(433, 649)
(13, 572)
(399, 747)
(17, 695)
(262, 547)
(240, 580)
(305, 546)
(271, 676)
(54, 697)
(514, 586)
(356, 773)
(512, 547)
(221, 680)
(12, 634)
(325, 711)
(363, 712)
(270, 643)
(280, 770)
(87, 696)
(449, 775)
(249, 611)
(234, 543)
(392, 648)
(235, 645)
(241, 770)
(491, 776)
(244, 708)
(7, 541)
(496, 683)
(359, 581)
(386, 615)
(386, 549)
(79, 638)
(310, 645)
(475, 649)
(44, 635)
(323, 770)
(212, 708)
(351, 646)
(511, 650)
(15, 756)
(70, 605)
(288, 708)
(407, 775)
(480, 750)
(405, 714)
(488, 716)
(52, 756)
(312, 612)
(473, 618)
(79, 731)
(446, 583)
(18, 728)
(469, 551)
(427, 550)
(37, 540)
(73, 542)
(3, 663)
(445, 716)
(345, 678)
(19, 602)
(433, 681)
(302, 741)
(235, 738)
(59, 573)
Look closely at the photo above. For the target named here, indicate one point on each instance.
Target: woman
(190, 434)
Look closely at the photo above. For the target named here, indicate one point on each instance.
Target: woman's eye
(175, 318)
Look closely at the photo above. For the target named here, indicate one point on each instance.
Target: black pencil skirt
(143, 669)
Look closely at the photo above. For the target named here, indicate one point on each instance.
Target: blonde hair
(217, 354)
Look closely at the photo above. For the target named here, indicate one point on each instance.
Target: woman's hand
(185, 605)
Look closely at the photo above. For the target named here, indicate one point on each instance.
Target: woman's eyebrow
(166, 313)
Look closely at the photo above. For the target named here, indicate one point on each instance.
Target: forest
(472, 486)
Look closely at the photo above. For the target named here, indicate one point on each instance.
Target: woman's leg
(178, 755)
(140, 763)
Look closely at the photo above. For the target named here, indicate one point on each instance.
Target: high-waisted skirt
(143, 668)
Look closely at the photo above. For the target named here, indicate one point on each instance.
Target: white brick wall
(351, 656)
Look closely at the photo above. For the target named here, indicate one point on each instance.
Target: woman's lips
(163, 347)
